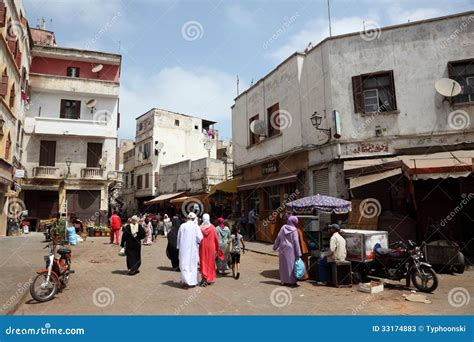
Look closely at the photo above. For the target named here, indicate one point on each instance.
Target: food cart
(360, 243)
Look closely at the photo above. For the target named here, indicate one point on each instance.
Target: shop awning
(371, 178)
(229, 186)
(162, 198)
(187, 198)
(268, 181)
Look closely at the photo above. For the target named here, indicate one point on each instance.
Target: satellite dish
(258, 127)
(97, 68)
(448, 87)
(159, 146)
(91, 103)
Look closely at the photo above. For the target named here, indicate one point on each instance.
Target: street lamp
(316, 120)
(68, 164)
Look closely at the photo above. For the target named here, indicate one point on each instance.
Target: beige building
(14, 99)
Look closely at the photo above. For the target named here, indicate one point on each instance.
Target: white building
(71, 131)
(164, 137)
(381, 83)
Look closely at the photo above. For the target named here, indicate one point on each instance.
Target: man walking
(189, 237)
(115, 225)
(251, 221)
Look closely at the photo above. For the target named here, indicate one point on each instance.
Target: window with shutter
(3, 13)
(8, 147)
(463, 72)
(147, 180)
(273, 120)
(12, 97)
(94, 154)
(253, 138)
(47, 153)
(4, 84)
(374, 92)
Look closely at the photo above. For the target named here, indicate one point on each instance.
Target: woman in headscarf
(288, 246)
(148, 232)
(223, 233)
(167, 224)
(208, 251)
(132, 235)
(172, 251)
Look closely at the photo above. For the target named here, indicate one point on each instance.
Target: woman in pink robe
(288, 246)
(207, 251)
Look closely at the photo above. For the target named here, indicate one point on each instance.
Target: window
(12, 97)
(132, 179)
(4, 83)
(3, 13)
(176, 123)
(73, 71)
(126, 180)
(254, 138)
(273, 120)
(157, 179)
(8, 147)
(94, 154)
(146, 150)
(272, 197)
(139, 182)
(147, 180)
(463, 72)
(70, 109)
(47, 153)
(196, 127)
(374, 92)
(254, 200)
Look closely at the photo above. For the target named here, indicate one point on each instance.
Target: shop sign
(19, 173)
(270, 167)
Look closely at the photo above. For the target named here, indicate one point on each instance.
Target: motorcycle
(55, 276)
(403, 261)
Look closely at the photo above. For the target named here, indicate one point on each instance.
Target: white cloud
(201, 91)
(315, 31)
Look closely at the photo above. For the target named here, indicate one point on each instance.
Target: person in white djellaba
(189, 237)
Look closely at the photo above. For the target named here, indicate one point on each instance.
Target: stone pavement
(101, 286)
(20, 256)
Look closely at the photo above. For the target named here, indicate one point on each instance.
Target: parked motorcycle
(403, 261)
(55, 276)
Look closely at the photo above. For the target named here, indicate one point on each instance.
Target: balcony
(92, 173)
(46, 172)
(71, 127)
(85, 86)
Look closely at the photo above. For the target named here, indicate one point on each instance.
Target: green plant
(60, 228)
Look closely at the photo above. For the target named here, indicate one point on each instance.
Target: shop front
(267, 186)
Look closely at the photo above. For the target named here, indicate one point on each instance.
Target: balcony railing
(46, 172)
(92, 173)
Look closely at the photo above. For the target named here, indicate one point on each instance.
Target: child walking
(238, 247)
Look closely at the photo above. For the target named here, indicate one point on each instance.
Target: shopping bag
(122, 252)
(300, 269)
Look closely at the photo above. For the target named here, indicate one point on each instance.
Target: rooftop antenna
(41, 24)
(119, 43)
(237, 85)
(329, 17)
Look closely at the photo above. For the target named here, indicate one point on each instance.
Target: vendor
(337, 246)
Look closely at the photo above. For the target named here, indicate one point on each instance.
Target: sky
(186, 56)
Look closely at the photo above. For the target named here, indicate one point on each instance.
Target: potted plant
(91, 231)
(107, 231)
(97, 231)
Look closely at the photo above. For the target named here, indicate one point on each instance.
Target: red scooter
(55, 276)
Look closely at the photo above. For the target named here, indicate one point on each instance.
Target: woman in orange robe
(208, 251)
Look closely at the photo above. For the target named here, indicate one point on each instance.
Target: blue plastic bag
(300, 269)
(71, 235)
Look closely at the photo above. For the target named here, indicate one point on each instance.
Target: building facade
(71, 132)
(14, 98)
(383, 91)
(163, 138)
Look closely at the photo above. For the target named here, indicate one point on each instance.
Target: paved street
(100, 286)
